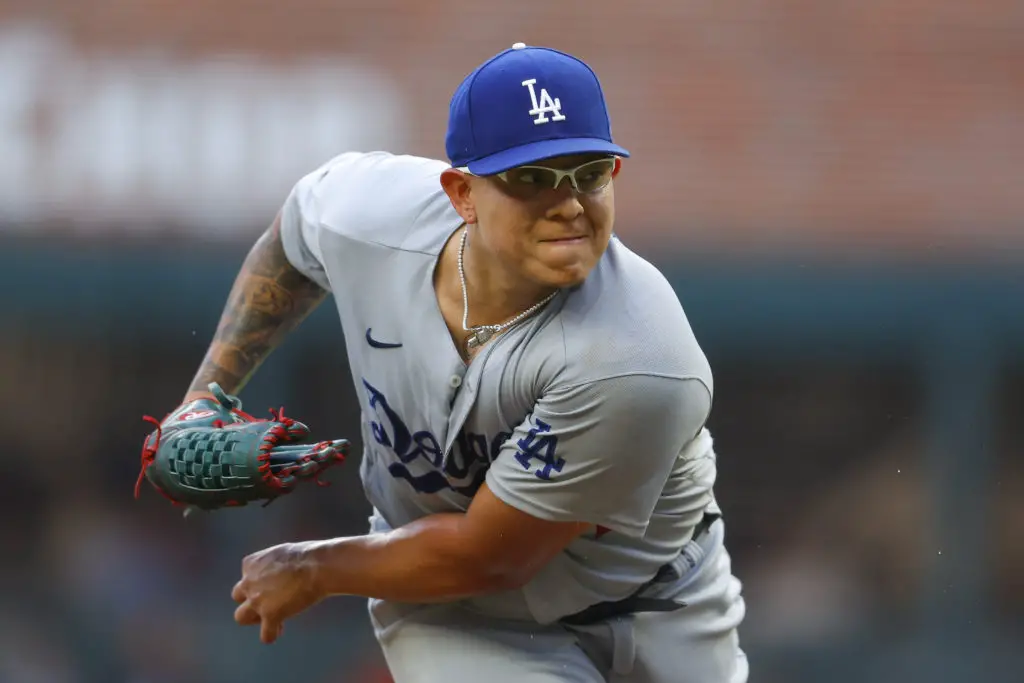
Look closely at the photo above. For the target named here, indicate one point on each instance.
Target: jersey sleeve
(600, 452)
(371, 198)
(301, 227)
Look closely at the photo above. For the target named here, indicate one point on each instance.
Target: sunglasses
(527, 182)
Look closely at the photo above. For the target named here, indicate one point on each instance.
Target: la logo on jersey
(543, 105)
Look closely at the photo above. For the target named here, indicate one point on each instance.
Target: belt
(634, 603)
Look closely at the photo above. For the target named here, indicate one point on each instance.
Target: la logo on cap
(544, 105)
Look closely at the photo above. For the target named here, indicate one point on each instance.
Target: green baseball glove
(208, 454)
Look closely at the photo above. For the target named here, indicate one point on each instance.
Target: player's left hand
(276, 584)
(208, 454)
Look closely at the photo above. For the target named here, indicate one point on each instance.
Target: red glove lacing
(277, 435)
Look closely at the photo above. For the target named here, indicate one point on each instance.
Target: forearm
(267, 301)
(423, 562)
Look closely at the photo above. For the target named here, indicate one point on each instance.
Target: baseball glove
(208, 454)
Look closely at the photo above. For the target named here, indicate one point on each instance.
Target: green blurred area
(866, 419)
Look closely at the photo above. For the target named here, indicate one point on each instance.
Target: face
(547, 235)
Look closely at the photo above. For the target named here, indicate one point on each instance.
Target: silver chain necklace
(482, 333)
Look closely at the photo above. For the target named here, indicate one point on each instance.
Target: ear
(618, 167)
(456, 185)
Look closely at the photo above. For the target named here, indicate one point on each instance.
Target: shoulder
(626, 319)
(378, 197)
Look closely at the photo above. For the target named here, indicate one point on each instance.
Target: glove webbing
(187, 457)
(203, 461)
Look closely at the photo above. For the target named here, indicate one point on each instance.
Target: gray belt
(634, 603)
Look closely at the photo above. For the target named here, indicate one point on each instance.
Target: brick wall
(783, 123)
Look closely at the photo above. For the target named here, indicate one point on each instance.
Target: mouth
(566, 240)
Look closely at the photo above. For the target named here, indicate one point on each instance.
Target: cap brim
(542, 149)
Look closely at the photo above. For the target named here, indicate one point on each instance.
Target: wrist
(198, 394)
(317, 561)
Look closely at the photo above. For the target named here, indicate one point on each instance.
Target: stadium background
(833, 187)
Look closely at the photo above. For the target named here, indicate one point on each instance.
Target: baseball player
(533, 406)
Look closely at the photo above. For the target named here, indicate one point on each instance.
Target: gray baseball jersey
(592, 410)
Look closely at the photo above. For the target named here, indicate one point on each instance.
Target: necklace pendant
(478, 338)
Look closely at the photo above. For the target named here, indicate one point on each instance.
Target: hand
(208, 454)
(277, 583)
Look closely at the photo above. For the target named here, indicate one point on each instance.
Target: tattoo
(268, 300)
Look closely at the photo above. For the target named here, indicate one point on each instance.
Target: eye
(528, 178)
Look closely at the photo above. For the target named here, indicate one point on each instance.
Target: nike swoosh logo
(379, 344)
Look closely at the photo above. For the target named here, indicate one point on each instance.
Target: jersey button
(455, 381)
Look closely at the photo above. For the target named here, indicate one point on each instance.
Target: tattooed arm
(268, 300)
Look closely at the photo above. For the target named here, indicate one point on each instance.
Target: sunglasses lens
(595, 175)
(530, 181)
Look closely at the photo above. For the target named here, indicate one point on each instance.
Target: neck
(495, 293)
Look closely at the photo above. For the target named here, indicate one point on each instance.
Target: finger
(290, 450)
(340, 446)
(285, 481)
(317, 463)
(238, 592)
(297, 431)
(282, 460)
(306, 461)
(307, 469)
(336, 450)
(295, 450)
(328, 453)
(284, 456)
(270, 630)
(246, 615)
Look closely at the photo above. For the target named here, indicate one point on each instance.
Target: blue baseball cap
(524, 105)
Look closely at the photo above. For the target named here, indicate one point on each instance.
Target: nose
(565, 202)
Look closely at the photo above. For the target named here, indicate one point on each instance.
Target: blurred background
(834, 188)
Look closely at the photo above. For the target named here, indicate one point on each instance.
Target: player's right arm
(269, 299)
(281, 282)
